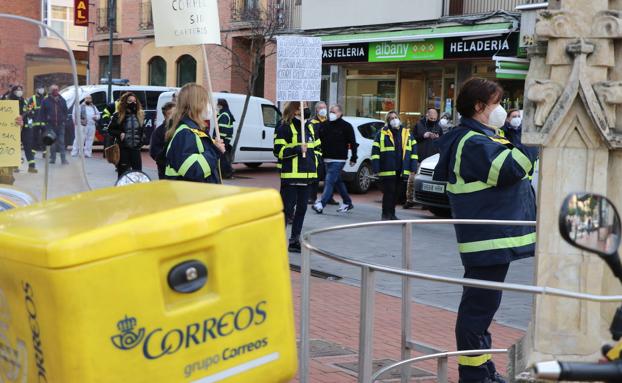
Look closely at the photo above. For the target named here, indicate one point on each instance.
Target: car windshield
(370, 129)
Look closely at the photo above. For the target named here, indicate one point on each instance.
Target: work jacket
(487, 178)
(295, 169)
(384, 159)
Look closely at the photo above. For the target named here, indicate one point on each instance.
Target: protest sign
(10, 140)
(185, 22)
(299, 68)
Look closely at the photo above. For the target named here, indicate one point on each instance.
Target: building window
(61, 21)
(157, 71)
(103, 67)
(146, 17)
(102, 18)
(186, 70)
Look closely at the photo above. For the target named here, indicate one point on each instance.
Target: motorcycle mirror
(132, 177)
(591, 222)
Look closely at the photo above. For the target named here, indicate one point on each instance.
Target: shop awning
(512, 68)
(420, 34)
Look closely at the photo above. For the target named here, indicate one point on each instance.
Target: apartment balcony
(472, 7)
(146, 17)
(285, 14)
(102, 21)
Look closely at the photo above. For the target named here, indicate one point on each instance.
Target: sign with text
(299, 68)
(460, 47)
(81, 13)
(346, 54)
(185, 22)
(431, 49)
(10, 140)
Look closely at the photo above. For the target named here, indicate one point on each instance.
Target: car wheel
(252, 165)
(440, 212)
(362, 180)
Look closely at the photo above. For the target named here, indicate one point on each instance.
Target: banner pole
(303, 122)
(213, 120)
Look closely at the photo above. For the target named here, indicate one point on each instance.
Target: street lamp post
(111, 22)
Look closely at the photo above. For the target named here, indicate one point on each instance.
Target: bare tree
(259, 23)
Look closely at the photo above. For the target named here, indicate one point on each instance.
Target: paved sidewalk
(335, 321)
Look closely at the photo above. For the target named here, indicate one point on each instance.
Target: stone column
(573, 97)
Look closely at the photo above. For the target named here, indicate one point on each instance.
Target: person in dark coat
(191, 154)
(486, 179)
(157, 145)
(17, 94)
(427, 132)
(55, 111)
(127, 127)
(225, 126)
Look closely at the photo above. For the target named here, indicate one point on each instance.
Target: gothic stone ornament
(607, 24)
(544, 93)
(560, 24)
(609, 95)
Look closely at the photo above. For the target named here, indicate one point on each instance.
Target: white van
(147, 95)
(262, 117)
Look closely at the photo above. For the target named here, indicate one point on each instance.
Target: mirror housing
(590, 222)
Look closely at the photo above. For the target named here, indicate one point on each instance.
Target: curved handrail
(390, 367)
(542, 290)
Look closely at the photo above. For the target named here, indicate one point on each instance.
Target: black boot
(294, 246)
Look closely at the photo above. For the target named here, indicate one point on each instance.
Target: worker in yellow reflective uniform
(393, 158)
(191, 154)
(298, 167)
(487, 178)
(314, 125)
(225, 124)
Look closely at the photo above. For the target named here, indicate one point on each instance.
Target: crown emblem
(128, 339)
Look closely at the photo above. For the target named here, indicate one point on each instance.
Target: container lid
(104, 223)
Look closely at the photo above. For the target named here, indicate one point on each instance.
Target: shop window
(157, 71)
(370, 98)
(186, 70)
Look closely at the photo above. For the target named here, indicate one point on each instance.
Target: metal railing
(368, 287)
(146, 17)
(470, 7)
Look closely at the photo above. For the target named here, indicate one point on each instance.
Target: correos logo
(160, 342)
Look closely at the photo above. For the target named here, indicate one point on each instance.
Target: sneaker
(408, 205)
(294, 246)
(317, 207)
(32, 169)
(343, 208)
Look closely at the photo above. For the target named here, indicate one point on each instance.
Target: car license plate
(434, 188)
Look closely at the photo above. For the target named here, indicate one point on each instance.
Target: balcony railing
(102, 21)
(469, 7)
(285, 13)
(146, 17)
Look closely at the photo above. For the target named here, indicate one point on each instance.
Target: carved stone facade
(573, 110)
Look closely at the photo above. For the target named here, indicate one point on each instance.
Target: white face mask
(443, 123)
(40, 91)
(497, 117)
(322, 112)
(516, 121)
(395, 123)
(18, 93)
(332, 116)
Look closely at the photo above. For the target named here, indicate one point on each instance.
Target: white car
(358, 178)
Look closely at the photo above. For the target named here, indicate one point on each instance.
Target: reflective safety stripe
(522, 160)
(406, 172)
(375, 157)
(497, 244)
(389, 173)
(495, 168)
(199, 159)
(474, 361)
(298, 175)
(461, 187)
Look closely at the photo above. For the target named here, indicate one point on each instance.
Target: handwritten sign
(184, 22)
(299, 68)
(10, 140)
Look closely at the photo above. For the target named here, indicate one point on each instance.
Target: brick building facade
(31, 57)
(138, 60)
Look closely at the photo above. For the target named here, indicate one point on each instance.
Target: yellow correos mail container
(159, 282)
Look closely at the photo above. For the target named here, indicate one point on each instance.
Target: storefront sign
(81, 13)
(406, 51)
(350, 53)
(178, 22)
(298, 68)
(10, 140)
(460, 47)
